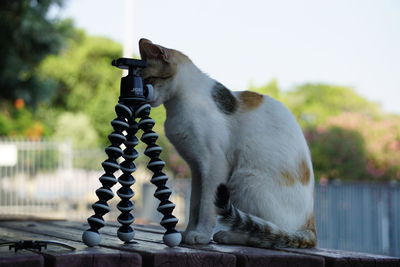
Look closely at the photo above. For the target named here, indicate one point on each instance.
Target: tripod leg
(171, 237)
(125, 232)
(91, 237)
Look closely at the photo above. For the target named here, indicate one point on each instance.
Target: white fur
(247, 150)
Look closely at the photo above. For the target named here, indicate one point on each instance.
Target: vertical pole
(128, 31)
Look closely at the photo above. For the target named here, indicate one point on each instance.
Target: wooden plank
(156, 234)
(9, 258)
(198, 257)
(331, 257)
(19, 217)
(82, 256)
(245, 256)
(153, 254)
(338, 258)
(249, 256)
(20, 259)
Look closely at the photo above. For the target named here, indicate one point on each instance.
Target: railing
(33, 177)
(49, 179)
(360, 216)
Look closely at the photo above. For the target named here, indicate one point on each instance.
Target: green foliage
(78, 128)
(86, 81)
(312, 104)
(381, 136)
(27, 35)
(19, 122)
(338, 153)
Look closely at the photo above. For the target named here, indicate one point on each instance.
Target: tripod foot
(126, 236)
(91, 238)
(172, 239)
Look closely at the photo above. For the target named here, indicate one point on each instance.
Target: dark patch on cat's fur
(224, 99)
(222, 197)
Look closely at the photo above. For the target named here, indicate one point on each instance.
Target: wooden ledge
(148, 250)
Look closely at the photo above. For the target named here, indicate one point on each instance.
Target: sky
(353, 43)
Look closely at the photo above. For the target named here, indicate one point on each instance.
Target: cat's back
(265, 131)
(257, 112)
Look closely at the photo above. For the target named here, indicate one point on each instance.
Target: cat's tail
(254, 231)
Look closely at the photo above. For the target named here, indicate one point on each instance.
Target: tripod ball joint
(126, 236)
(91, 238)
(172, 239)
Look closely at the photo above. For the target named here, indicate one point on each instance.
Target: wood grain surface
(147, 249)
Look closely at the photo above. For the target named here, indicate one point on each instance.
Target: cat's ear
(148, 50)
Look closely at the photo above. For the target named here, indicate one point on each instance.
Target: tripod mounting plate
(128, 63)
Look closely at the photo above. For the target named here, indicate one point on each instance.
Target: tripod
(131, 106)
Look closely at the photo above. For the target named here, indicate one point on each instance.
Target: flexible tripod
(131, 106)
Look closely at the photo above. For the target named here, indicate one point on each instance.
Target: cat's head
(163, 64)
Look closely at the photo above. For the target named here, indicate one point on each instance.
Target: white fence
(50, 180)
(359, 216)
(38, 179)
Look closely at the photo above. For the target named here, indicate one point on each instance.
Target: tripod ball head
(132, 88)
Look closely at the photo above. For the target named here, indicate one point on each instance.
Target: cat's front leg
(194, 200)
(202, 218)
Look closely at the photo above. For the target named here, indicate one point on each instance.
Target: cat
(246, 152)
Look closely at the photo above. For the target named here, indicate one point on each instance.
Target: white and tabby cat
(247, 142)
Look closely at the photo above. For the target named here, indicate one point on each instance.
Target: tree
(337, 153)
(76, 127)
(27, 35)
(312, 104)
(85, 80)
(382, 142)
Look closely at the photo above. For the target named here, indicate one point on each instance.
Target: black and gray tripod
(132, 105)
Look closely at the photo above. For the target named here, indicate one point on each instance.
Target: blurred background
(335, 64)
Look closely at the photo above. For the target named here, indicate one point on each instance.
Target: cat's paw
(221, 237)
(196, 238)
